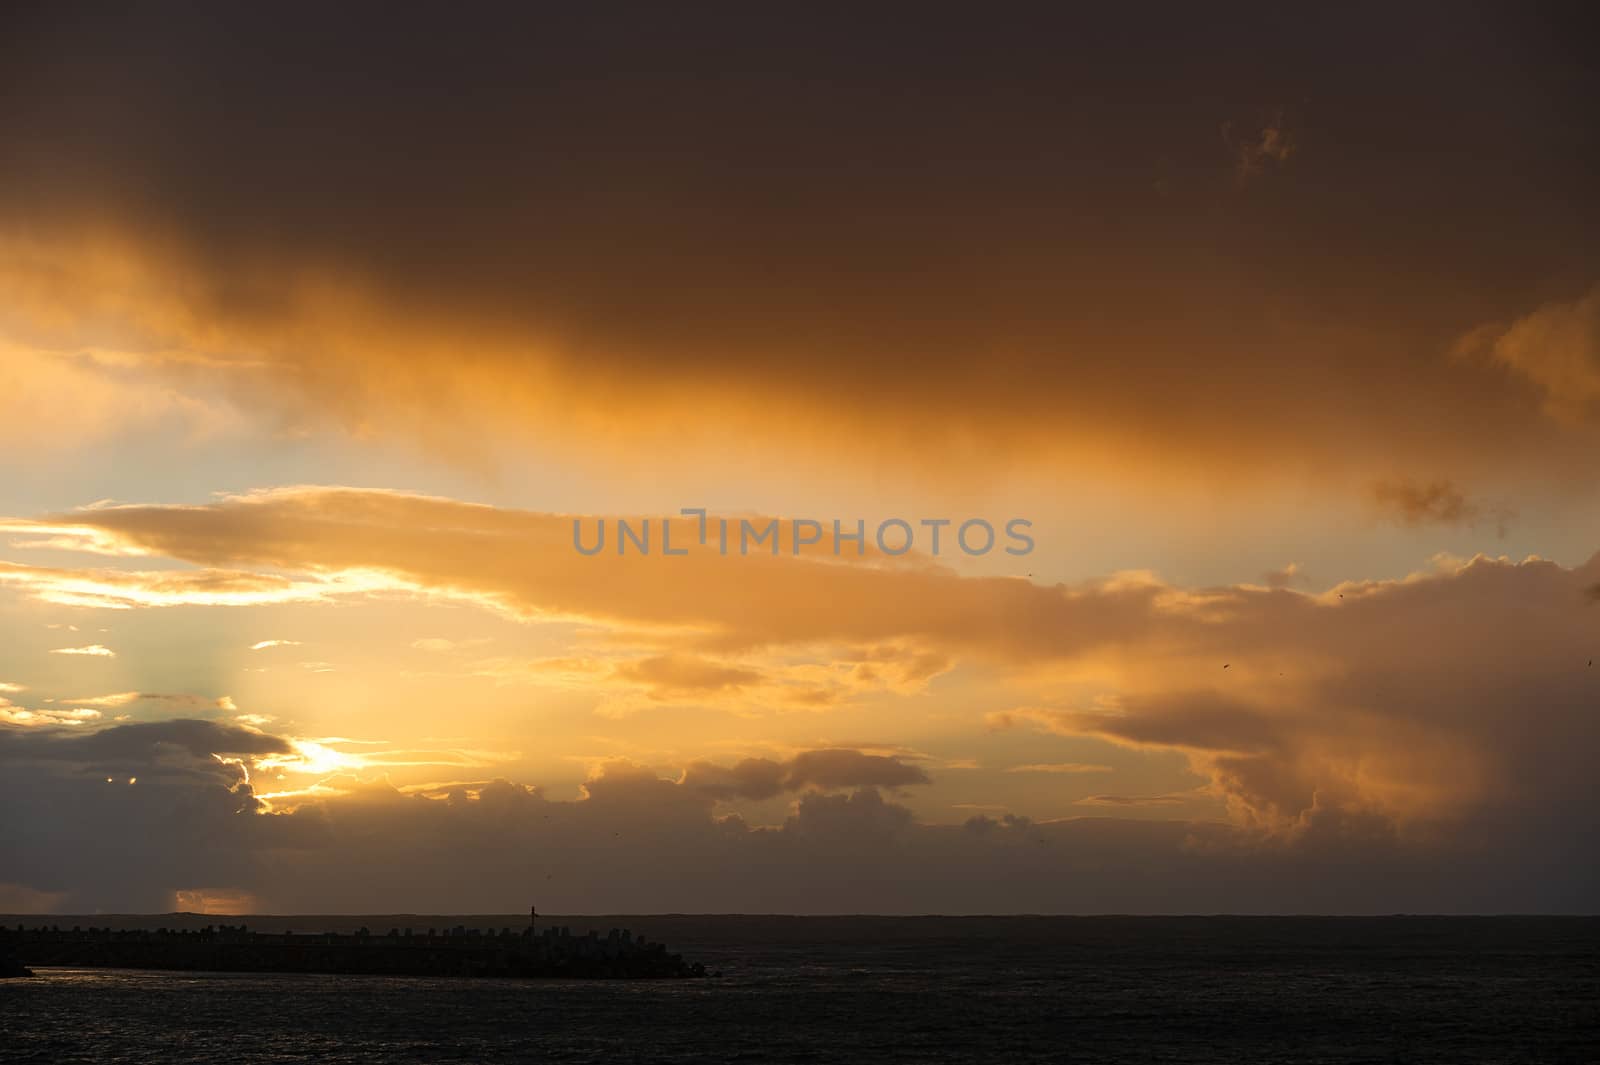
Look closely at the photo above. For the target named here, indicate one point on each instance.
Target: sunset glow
(592, 461)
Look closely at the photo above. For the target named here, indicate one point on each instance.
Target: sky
(1264, 341)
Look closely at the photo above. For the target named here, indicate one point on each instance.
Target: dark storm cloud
(125, 815)
(752, 778)
(829, 768)
(195, 738)
(895, 218)
(639, 843)
(840, 768)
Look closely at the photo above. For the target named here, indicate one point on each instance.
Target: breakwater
(551, 952)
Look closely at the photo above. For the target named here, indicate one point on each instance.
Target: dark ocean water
(873, 989)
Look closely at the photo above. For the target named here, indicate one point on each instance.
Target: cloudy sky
(320, 331)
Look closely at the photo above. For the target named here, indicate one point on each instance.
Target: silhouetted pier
(459, 951)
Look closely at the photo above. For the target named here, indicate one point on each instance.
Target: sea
(1145, 990)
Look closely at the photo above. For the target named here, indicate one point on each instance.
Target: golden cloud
(1556, 349)
(318, 345)
(1390, 699)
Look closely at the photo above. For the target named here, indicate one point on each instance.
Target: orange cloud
(1555, 349)
(1110, 394)
(1387, 699)
(681, 673)
(357, 542)
(182, 701)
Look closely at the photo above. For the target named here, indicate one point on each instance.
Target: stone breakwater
(550, 953)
